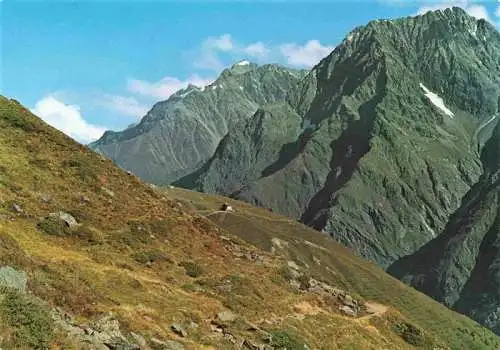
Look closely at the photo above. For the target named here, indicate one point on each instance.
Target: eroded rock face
(180, 134)
(362, 150)
(460, 267)
(380, 146)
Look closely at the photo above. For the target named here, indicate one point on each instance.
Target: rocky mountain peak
(378, 145)
(202, 115)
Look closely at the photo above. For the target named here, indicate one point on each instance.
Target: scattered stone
(147, 318)
(140, 340)
(119, 344)
(97, 345)
(251, 326)
(177, 329)
(349, 304)
(45, 199)
(64, 316)
(167, 345)
(216, 328)
(14, 279)
(279, 243)
(230, 337)
(349, 311)
(248, 345)
(349, 301)
(226, 207)
(104, 334)
(226, 317)
(67, 218)
(108, 191)
(293, 265)
(224, 288)
(295, 284)
(84, 199)
(107, 329)
(16, 208)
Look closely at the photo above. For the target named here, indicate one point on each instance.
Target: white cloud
(126, 106)
(478, 11)
(257, 49)
(67, 118)
(497, 12)
(214, 49)
(222, 43)
(307, 55)
(475, 10)
(165, 87)
(208, 56)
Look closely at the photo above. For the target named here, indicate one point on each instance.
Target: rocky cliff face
(378, 144)
(460, 267)
(180, 134)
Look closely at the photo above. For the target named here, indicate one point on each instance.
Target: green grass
(30, 321)
(192, 269)
(120, 259)
(150, 256)
(54, 227)
(285, 340)
(410, 333)
(341, 268)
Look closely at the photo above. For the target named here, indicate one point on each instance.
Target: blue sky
(86, 66)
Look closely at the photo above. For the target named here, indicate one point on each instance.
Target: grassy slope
(339, 266)
(95, 268)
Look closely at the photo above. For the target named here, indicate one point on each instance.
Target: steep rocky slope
(460, 267)
(93, 258)
(378, 144)
(392, 147)
(180, 134)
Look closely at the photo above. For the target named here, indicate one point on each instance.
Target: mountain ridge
(157, 148)
(379, 144)
(338, 202)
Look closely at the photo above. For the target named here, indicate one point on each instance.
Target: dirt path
(374, 310)
(248, 216)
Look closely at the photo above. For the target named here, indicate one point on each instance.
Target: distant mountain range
(179, 135)
(389, 144)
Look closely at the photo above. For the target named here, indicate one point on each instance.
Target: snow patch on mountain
(436, 101)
